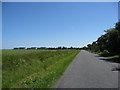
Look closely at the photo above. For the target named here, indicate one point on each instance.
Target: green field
(34, 68)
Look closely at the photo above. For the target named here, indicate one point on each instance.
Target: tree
(89, 47)
(102, 43)
(112, 40)
(109, 42)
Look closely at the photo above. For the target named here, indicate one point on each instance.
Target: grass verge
(34, 68)
(106, 55)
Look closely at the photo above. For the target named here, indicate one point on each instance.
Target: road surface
(88, 71)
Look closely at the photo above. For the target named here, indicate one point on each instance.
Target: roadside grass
(113, 57)
(104, 54)
(34, 68)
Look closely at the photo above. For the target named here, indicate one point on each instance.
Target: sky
(53, 24)
(119, 10)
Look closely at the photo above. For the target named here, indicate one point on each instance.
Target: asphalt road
(88, 71)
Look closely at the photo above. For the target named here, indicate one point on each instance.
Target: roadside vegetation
(107, 45)
(34, 68)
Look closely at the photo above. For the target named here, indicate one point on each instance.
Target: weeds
(34, 68)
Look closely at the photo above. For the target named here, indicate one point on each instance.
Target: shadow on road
(111, 60)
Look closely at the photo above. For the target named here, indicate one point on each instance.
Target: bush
(105, 53)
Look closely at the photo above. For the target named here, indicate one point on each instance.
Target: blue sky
(53, 24)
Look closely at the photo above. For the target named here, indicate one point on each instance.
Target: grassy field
(34, 68)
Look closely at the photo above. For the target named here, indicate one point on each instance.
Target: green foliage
(109, 43)
(104, 53)
(34, 68)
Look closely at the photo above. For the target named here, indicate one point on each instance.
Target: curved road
(88, 71)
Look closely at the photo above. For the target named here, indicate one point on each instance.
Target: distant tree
(85, 48)
(71, 47)
(59, 47)
(64, 47)
(15, 48)
(89, 47)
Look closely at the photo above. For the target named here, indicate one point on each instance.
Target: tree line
(48, 48)
(109, 43)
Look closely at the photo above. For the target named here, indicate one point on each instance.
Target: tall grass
(34, 68)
